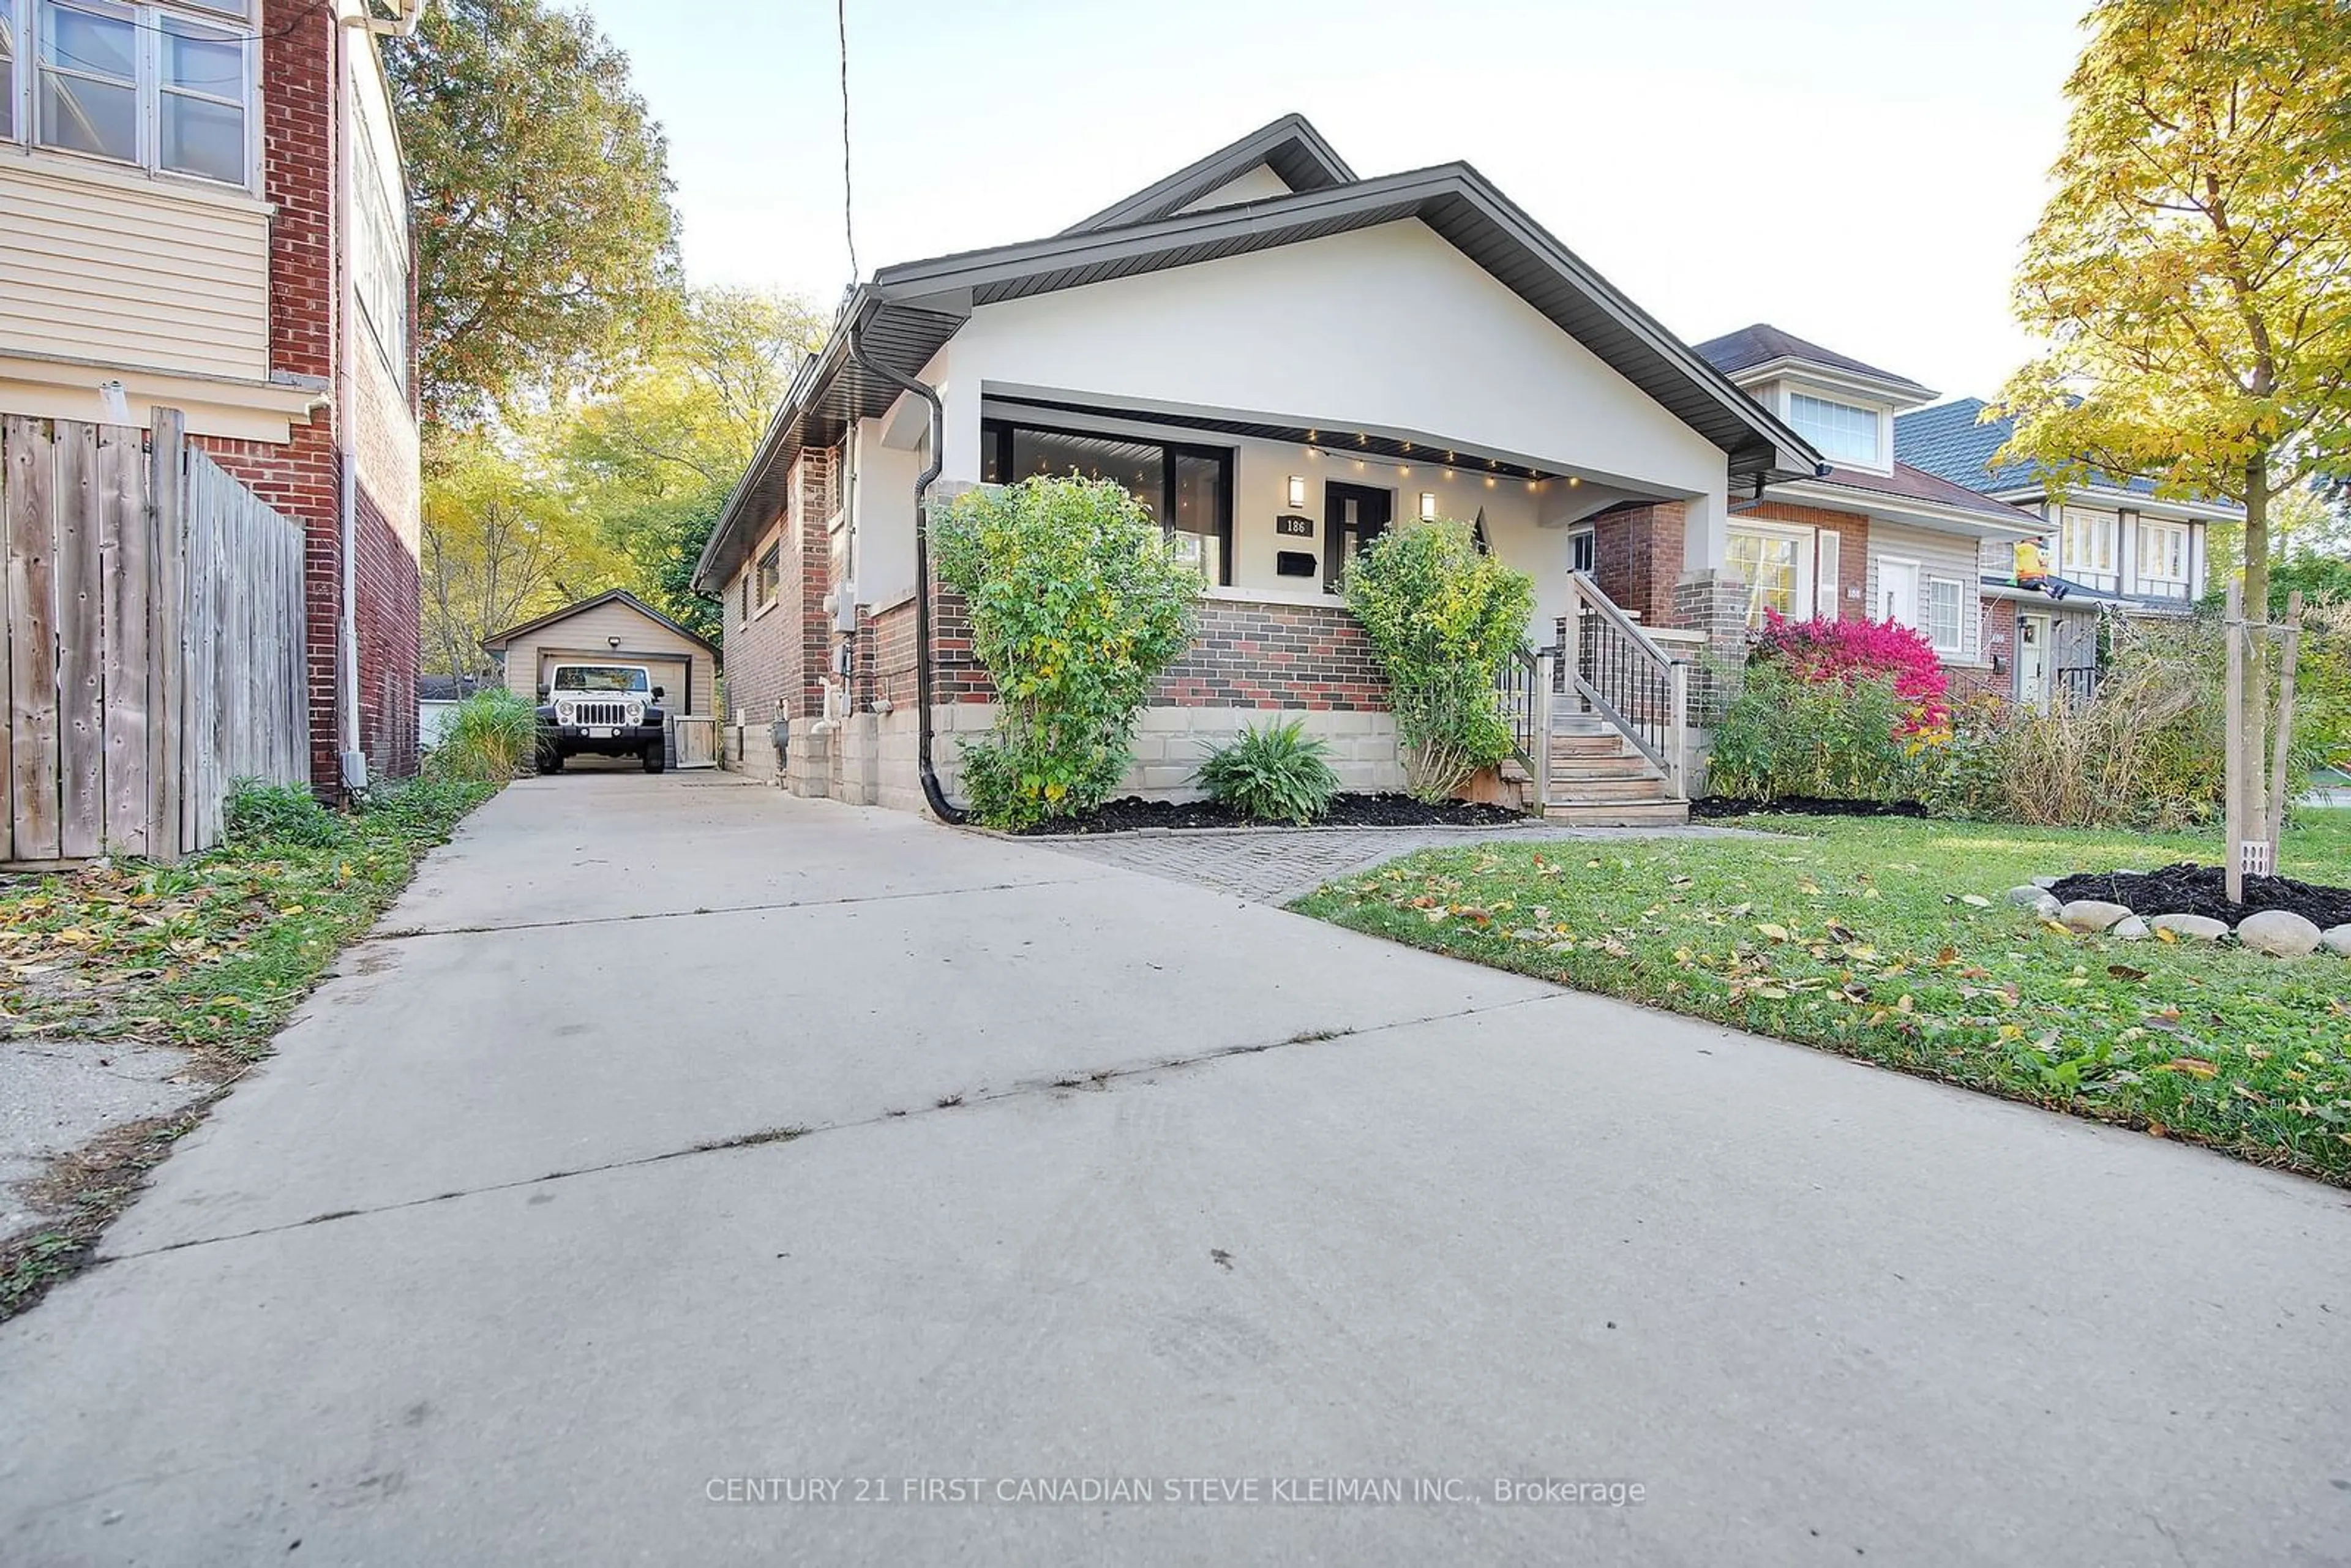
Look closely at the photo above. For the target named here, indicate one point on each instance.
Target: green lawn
(1866, 937)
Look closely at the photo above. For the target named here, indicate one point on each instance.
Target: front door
(1897, 591)
(1354, 516)
(2033, 638)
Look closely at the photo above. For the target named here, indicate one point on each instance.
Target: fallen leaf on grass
(2125, 972)
(1975, 899)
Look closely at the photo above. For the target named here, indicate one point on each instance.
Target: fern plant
(1275, 774)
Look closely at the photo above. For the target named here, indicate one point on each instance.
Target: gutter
(931, 793)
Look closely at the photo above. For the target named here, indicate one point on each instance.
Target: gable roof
(497, 640)
(1291, 147)
(1764, 344)
(909, 311)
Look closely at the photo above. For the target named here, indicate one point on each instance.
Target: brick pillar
(1638, 560)
(1707, 601)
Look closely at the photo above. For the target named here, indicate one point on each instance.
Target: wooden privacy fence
(154, 648)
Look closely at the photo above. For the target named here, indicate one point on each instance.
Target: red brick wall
(299, 126)
(1999, 643)
(1243, 655)
(1638, 560)
(1273, 656)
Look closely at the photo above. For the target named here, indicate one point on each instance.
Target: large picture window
(1187, 490)
(1840, 432)
(165, 88)
(1775, 566)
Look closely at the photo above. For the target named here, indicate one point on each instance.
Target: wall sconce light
(611, 641)
(1297, 491)
(1429, 506)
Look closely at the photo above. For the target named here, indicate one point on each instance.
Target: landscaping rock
(2028, 895)
(2091, 913)
(2047, 907)
(2133, 929)
(2336, 939)
(2202, 927)
(2280, 933)
(2044, 882)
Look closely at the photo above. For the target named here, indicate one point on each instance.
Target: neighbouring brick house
(201, 207)
(1279, 359)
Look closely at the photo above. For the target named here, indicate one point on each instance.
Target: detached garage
(620, 628)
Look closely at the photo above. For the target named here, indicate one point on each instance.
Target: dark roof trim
(1290, 146)
(1456, 200)
(497, 640)
(910, 310)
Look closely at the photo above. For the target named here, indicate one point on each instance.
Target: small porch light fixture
(611, 641)
(1297, 491)
(1429, 506)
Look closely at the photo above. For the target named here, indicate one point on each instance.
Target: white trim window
(1774, 564)
(1840, 432)
(1830, 546)
(9, 53)
(169, 89)
(2088, 546)
(2164, 554)
(1943, 608)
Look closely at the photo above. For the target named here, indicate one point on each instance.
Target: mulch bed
(1346, 811)
(1712, 806)
(2191, 889)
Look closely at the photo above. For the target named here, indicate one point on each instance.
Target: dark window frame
(996, 442)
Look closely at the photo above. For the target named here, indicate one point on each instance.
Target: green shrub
(1275, 774)
(1442, 618)
(1076, 604)
(490, 735)
(287, 814)
(1837, 740)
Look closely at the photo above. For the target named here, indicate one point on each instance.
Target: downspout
(351, 762)
(932, 794)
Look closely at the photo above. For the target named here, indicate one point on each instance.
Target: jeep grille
(601, 713)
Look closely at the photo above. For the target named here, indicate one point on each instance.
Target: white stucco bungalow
(1279, 359)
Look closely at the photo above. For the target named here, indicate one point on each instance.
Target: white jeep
(602, 710)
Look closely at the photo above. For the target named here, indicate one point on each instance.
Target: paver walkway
(686, 1174)
(1272, 865)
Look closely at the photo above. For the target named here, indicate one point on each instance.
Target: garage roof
(496, 641)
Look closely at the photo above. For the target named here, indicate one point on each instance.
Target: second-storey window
(2087, 548)
(164, 88)
(2163, 558)
(8, 53)
(1840, 432)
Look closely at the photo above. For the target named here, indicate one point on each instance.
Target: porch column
(959, 416)
(1706, 599)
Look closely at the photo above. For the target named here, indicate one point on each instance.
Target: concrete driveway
(678, 1145)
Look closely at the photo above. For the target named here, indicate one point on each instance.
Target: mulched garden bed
(1346, 811)
(1711, 806)
(2191, 889)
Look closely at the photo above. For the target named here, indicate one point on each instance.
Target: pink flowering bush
(1818, 652)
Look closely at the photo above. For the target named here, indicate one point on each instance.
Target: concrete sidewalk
(504, 1258)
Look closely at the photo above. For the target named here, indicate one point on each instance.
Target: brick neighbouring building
(290, 355)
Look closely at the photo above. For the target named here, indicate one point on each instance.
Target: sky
(1861, 173)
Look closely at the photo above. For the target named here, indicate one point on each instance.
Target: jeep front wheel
(653, 758)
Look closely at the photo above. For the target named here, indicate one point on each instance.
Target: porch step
(1614, 767)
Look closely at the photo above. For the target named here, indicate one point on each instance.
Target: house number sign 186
(1290, 526)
